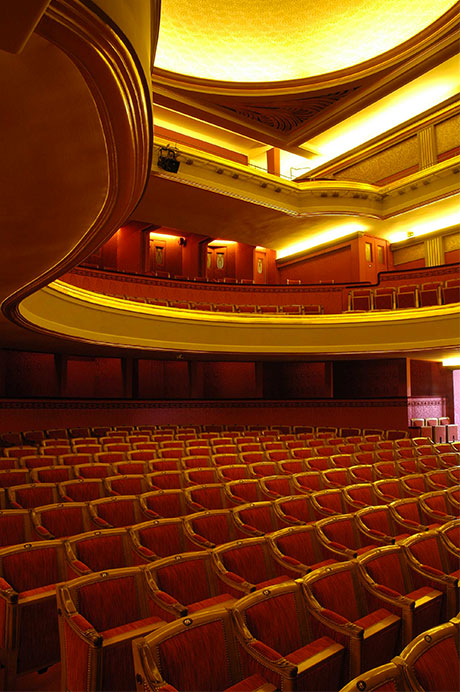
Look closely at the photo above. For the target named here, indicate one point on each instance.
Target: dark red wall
(357, 379)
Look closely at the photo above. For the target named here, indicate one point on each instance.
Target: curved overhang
(71, 312)
(77, 141)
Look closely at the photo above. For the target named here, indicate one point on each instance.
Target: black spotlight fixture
(168, 159)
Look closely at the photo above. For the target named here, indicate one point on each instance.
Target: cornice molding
(313, 197)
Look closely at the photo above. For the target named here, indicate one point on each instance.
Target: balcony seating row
(410, 296)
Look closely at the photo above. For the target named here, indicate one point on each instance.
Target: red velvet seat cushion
(309, 650)
(129, 627)
(271, 582)
(209, 602)
(251, 684)
(374, 618)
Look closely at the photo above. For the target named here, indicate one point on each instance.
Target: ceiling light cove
(268, 40)
(327, 235)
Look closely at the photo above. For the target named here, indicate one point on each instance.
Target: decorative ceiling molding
(288, 116)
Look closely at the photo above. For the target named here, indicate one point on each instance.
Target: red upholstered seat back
(281, 486)
(186, 580)
(202, 475)
(415, 482)
(119, 512)
(337, 477)
(298, 507)
(336, 592)
(165, 503)
(408, 509)
(101, 552)
(171, 480)
(437, 502)
(233, 472)
(261, 517)
(196, 659)
(31, 569)
(275, 622)
(311, 480)
(248, 489)
(109, 603)
(266, 468)
(34, 495)
(64, 520)
(331, 499)
(52, 474)
(439, 478)
(128, 485)
(378, 520)
(362, 494)
(94, 470)
(341, 531)
(130, 467)
(386, 570)
(211, 497)
(438, 668)
(215, 527)
(247, 561)
(13, 527)
(426, 550)
(163, 539)
(391, 488)
(299, 545)
(83, 490)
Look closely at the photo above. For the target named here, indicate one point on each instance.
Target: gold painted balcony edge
(212, 173)
(67, 311)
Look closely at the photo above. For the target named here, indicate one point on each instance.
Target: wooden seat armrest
(7, 592)
(84, 630)
(262, 653)
(164, 600)
(79, 567)
(336, 548)
(197, 538)
(42, 532)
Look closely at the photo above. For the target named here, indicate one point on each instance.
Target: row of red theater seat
(314, 665)
(255, 505)
(189, 579)
(420, 666)
(410, 296)
(185, 432)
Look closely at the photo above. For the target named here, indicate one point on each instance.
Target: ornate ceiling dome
(269, 40)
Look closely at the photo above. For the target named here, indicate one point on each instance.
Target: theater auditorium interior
(229, 345)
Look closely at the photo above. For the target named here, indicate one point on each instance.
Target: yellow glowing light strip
(339, 232)
(432, 88)
(104, 301)
(163, 235)
(452, 362)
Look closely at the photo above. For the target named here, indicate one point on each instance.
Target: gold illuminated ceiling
(269, 40)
